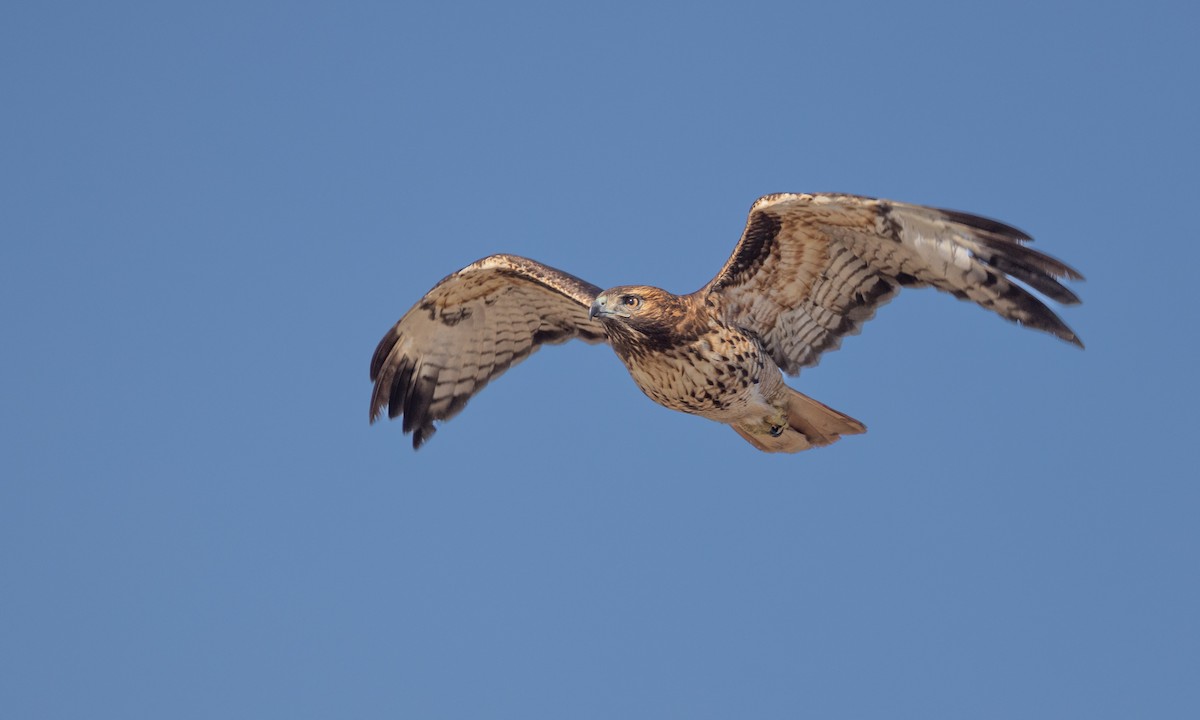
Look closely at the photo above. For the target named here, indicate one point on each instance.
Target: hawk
(809, 270)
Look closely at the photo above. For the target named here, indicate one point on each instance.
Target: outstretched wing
(471, 327)
(811, 269)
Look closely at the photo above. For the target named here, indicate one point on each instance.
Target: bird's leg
(776, 423)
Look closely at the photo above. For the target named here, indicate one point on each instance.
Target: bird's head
(630, 304)
(639, 312)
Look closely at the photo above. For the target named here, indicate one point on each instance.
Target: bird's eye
(632, 301)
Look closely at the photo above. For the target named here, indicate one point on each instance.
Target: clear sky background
(212, 212)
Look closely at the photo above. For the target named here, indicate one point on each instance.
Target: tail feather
(809, 424)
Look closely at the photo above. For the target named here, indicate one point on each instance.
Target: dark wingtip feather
(381, 393)
(397, 390)
(417, 402)
(1031, 258)
(1034, 278)
(987, 225)
(422, 435)
(1071, 337)
(1010, 241)
(1034, 313)
(399, 380)
(380, 376)
(376, 407)
(382, 350)
(1063, 332)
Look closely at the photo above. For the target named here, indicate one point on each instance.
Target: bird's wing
(471, 327)
(811, 269)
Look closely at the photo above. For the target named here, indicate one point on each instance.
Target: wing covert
(471, 327)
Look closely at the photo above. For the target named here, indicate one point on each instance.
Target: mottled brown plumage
(809, 270)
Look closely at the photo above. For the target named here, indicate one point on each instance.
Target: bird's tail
(807, 424)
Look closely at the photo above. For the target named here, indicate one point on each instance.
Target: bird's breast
(712, 375)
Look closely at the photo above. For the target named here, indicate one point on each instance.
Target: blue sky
(213, 212)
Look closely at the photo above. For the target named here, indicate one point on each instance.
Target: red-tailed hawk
(808, 271)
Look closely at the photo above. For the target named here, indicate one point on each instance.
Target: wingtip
(1067, 335)
(422, 435)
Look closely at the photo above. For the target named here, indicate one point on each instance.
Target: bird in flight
(809, 270)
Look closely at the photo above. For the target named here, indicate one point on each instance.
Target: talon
(776, 430)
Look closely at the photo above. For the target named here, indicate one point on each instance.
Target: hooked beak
(599, 307)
